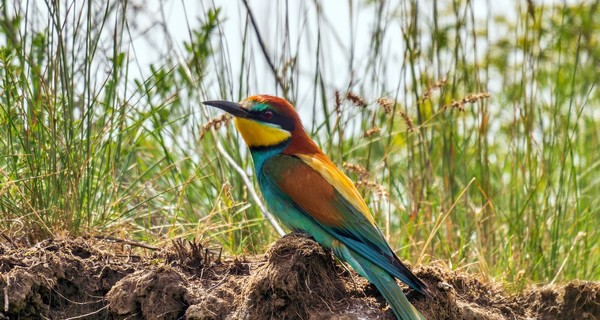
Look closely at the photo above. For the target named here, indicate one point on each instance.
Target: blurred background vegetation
(473, 133)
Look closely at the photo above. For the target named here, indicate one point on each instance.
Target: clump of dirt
(150, 294)
(296, 279)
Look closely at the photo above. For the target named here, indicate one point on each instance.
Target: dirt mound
(296, 279)
(299, 280)
(57, 279)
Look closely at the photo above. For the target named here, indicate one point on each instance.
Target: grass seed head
(216, 123)
(358, 169)
(407, 121)
(470, 98)
(371, 132)
(386, 104)
(338, 102)
(356, 99)
(438, 85)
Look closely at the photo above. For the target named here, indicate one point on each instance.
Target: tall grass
(88, 149)
(473, 136)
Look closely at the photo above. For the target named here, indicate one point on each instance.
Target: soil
(296, 279)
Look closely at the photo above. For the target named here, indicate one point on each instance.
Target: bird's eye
(267, 115)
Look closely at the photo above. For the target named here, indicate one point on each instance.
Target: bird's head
(263, 120)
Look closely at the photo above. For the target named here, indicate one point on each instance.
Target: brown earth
(296, 279)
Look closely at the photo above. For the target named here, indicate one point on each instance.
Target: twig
(250, 187)
(129, 242)
(6, 301)
(88, 314)
(263, 47)
(7, 238)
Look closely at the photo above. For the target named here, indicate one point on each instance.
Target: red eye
(267, 114)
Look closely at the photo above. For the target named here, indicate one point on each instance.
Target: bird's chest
(280, 205)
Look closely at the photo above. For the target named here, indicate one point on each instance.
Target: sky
(346, 45)
(160, 28)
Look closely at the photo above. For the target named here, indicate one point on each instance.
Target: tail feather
(383, 281)
(393, 294)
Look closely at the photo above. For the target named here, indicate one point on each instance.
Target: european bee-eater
(309, 194)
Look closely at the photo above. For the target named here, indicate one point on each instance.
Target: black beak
(231, 107)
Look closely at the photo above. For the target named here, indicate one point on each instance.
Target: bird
(307, 192)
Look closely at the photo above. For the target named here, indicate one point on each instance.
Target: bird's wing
(328, 197)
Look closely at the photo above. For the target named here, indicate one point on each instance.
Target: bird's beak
(231, 107)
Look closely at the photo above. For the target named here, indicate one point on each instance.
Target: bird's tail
(393, 294)
(385, 283)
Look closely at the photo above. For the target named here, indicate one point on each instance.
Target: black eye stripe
(276, 118)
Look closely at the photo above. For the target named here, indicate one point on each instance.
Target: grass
(479, 153)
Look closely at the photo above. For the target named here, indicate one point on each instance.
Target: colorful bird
(309, 194)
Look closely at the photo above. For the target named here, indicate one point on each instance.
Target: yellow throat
(257, 134)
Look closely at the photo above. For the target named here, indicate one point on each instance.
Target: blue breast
(262, 154)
